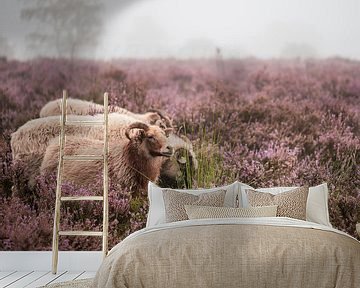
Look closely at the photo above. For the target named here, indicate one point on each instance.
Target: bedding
(316, 207)
(202, 212)
(290, 203)
(234, 252)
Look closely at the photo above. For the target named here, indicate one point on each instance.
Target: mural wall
(261, 122)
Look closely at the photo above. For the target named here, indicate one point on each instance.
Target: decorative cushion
(156, 213)
(317, 210)
(175, 202)
(290, 204)
(201, 212)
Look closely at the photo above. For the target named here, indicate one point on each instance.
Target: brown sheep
(132, 161)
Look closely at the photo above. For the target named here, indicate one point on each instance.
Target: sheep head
(158, 118)
(151, 140)
(178, 170)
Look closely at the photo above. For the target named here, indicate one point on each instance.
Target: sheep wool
(132, 162)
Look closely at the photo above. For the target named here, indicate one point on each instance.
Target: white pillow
(156, 213)
(317, 203)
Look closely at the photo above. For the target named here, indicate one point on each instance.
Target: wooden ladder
(104, 156)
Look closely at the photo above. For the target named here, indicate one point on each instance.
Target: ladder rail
(55, 244)
(106, 178)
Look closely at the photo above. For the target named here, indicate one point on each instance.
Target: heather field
(264, 123)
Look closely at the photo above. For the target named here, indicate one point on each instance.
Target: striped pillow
(201, 212)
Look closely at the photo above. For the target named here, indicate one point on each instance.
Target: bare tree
(65, 27)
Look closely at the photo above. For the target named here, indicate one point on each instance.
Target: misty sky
(193, 28)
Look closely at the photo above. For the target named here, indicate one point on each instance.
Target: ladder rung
(81, 198)
(86, 123)
(81, 233)
(83, 157)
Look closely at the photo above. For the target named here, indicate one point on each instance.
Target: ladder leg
(105, 180)
(55, 243)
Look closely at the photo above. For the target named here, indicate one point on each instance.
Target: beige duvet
(233, 254)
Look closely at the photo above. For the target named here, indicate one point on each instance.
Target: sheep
(174, 169)
(30, 141)
(132, 161)
(34, 136)
(81, 107)
(74, 106)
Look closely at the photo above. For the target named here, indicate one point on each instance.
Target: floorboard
(5, 274)
(28, 279)
(46, 279)
(34, 279)
(12, 278)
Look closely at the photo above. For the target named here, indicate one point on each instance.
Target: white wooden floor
(32, 279)
(32, 268)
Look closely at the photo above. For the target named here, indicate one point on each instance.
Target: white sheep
(133, 161)
(74, 106)
(34, 136)
(82, 107)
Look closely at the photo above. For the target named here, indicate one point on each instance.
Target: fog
(195, 28)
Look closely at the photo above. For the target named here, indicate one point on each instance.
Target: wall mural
(179, 123)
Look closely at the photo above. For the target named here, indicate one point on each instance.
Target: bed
(234, 252)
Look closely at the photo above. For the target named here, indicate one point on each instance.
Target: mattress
(234, 252)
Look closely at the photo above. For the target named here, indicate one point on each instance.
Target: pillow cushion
(290, 204)
(317, 203)
(201, 212)
(316, 208)
(175, 202)
(156, 213)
